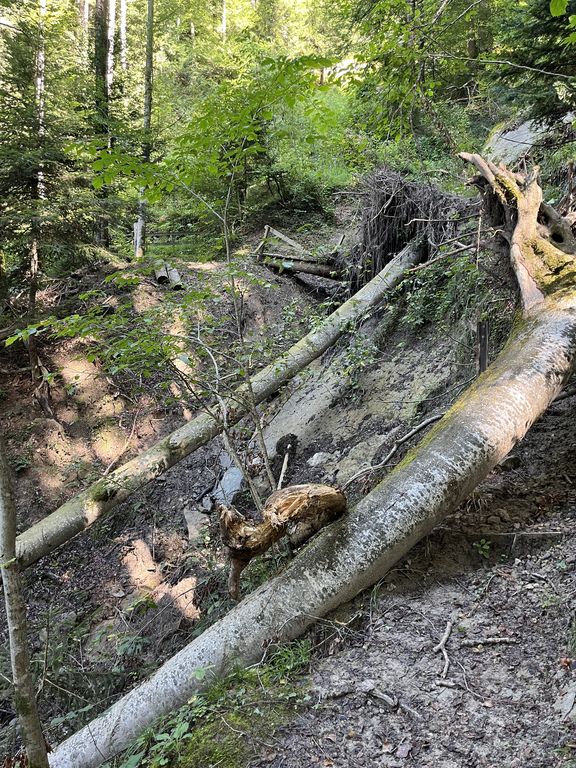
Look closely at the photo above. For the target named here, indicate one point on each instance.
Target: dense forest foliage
(246, 103)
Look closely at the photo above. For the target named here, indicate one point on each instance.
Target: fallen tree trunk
(308, 267)
(477, 432)
(99, 498)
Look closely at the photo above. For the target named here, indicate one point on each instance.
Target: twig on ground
(488, 641)
(442, 647)
(393, 450)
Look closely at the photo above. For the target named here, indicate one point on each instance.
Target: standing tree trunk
(102, 108)
(24, 693)
(123, 37)
(140, 226)
(111, 34)
(84, 13)
(477, 432)
(41, 390)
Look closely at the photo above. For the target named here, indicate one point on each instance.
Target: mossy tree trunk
(356, 551)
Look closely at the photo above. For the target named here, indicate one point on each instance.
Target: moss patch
(230, 722)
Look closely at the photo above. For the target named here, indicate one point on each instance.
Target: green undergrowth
(231, 721)
(454, 294)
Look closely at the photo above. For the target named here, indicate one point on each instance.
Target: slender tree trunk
(477, 432)
(111, 35)
(4, 287)
(140, 226)
(123, 36)
(39, 193)
(102, 107)
(83, 510)
(24, 693)
(84, 13)
(224, 27)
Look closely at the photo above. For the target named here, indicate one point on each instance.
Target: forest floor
(132, 590)
(499, 574)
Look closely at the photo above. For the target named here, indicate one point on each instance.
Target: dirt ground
(497, 581)
(110, 606)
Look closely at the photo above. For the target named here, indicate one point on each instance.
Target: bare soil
(499, 575)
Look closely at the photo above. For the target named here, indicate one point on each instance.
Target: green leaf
(558, 7)
(133, 761)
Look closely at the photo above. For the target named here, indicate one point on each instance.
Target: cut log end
(298, 511)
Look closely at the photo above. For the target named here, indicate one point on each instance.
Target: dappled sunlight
(207, 266)
(108, 442)
(146, 578)
(83, 380)
(143, 571)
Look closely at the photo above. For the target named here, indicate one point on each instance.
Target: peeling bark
(477, 432)
(101, 497)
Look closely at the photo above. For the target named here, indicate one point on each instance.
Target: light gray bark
(123, 36)
(140, 226)
(111, 31)
(101, 497)
(24, 693)
(479, 430)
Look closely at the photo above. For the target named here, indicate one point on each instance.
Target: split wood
(299, 511)
(284, 467)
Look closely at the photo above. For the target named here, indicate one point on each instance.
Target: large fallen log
(477, 432)
(105, 494)
(307, 267)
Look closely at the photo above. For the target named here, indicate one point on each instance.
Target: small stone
(319, 458)
(196, 522)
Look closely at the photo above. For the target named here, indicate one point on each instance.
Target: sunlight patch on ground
(108, 442)
(82, 379)
(144, 297)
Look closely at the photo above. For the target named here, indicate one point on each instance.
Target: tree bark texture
(476, 433)
(308, 267)
(102, 106)
(24, 692)
(123, 35)
(101, 497)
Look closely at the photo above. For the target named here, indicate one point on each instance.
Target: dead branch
(442, 647)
